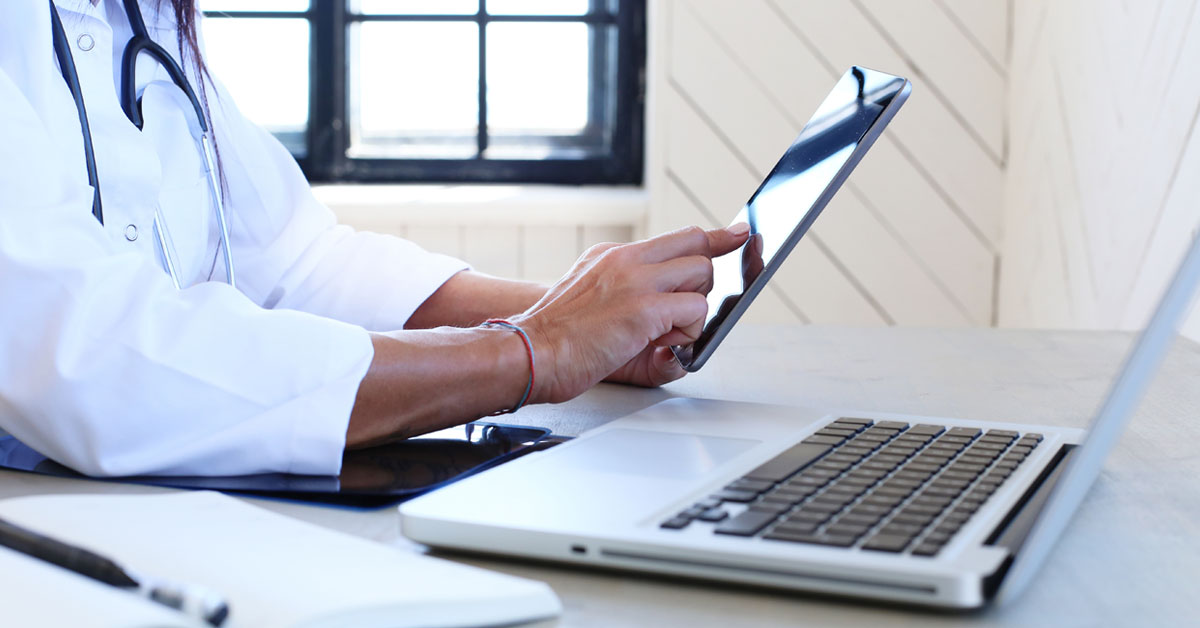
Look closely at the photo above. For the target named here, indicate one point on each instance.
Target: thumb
(664, 367)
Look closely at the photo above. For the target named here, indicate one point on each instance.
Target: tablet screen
(795, 191)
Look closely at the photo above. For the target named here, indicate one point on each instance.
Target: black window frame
(327, 139)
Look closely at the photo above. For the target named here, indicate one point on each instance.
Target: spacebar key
(785, 464)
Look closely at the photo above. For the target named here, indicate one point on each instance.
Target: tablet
(787, 202)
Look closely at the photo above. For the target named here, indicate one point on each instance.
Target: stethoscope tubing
(138, 44)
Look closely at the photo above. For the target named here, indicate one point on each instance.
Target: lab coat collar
(158, 15)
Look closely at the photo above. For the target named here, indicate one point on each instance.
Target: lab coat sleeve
(291, 253)
(107, 368)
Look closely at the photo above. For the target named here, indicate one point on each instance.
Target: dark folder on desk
(370, 477)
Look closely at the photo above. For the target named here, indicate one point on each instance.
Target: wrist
(521, 360)
(545, 358)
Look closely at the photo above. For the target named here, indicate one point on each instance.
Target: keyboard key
(747, 523)
(835, 467)
(794, 527)
(950, 483)
(891, 425)
(934, 491)
(859, 443)
(821, 473)
(795, 493)
(855, 450)
(909, 437)
(938, 537)
(883, 500)
(946, 450)
(957, 476)
(836, 431)
(840, 529)
(858, 517)
(990, 445)
(1006, 433)
(863, 422)
(891, 491)
(793, 536)
(913, 475)
(925, 428)
(746, 484)
(789, 462)
(823, 440)
(708, 503)
(713, 515)
(1032, 436)
(835, 540)
(691, 513)
(926, 548)
(887, 543)
(775, 507)
(901, 529)
(969, 432)
(842, 458)
(741, 497)
(806, 517)
(675, 523)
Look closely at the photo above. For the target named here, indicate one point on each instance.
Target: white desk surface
(1130, 557)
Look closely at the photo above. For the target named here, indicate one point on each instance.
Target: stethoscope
(140, 43)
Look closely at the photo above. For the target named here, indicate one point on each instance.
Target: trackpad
(645, 453)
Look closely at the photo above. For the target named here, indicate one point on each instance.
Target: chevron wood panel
(1103, 188)
(913, 238)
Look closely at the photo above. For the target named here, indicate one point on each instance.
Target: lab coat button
(86, 42)
(131, 232)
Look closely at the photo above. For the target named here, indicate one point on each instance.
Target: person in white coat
(332, 338)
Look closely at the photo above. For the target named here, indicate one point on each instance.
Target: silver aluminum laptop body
(603, 498)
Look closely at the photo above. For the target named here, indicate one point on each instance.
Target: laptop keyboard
(884, 486)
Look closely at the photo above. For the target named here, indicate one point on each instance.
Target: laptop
(931, 511)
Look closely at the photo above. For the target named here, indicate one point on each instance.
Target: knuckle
(599, 249)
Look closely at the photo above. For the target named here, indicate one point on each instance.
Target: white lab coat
(104, 365)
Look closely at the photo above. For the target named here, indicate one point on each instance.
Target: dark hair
(189, 48)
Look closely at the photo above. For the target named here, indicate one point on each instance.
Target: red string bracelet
(499, 322)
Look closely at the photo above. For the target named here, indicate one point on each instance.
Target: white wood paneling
(913, 237)
(1102, 194)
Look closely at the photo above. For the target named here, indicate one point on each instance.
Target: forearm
(421, 381)
(469, 298)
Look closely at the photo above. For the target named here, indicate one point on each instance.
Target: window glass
(254, 5)
(414, 89)
(264, 64)
(416, 7)
(537, 7)
(537, 83)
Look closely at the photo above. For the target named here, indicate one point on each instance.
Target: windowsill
(499, 205)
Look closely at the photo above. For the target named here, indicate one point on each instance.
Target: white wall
(1103, 188)
(913, 237)
(1045, 172)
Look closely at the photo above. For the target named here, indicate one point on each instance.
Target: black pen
(193, 601)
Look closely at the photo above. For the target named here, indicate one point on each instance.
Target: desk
(1130, 557)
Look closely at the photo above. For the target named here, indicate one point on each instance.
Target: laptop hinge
(1014, 529)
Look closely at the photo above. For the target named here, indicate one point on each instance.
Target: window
(519, 91)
